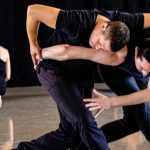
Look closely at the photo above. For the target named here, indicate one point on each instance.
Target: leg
(70, 103)
(74, 116)
(133, 115)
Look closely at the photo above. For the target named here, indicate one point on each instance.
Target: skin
(67, 52)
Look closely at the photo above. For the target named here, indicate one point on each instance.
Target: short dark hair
(144, 49)
(118, 33)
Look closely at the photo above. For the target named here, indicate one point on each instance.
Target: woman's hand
(100, 103)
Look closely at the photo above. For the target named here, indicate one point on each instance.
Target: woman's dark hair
(144, 49)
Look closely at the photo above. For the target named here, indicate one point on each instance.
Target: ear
(104, 25)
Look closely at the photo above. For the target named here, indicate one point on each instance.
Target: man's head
(110, 35)
(142, 56)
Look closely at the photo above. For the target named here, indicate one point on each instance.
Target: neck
(101, 19)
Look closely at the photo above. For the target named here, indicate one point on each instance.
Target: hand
(100, 103)
(35, 52)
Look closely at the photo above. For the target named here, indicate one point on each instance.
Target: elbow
(116, 61)
(32, 9)
(7, 78)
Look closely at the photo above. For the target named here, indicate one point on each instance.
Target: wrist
(112, 102)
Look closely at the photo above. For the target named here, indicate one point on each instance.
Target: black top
(75, 27)
(2, 69)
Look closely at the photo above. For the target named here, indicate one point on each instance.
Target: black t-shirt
(75, 27)
(2, 69)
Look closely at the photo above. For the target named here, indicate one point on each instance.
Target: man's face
(142, 65)
(97, 38)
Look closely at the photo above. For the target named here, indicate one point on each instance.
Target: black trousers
(76, 122)
(136, 117)
(2, 85)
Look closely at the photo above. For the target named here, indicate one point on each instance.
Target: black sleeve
(134, 21)
(75, 22)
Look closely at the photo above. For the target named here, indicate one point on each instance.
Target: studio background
(13, 34)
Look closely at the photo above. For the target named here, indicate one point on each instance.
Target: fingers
(34, 60)
(89, 100)
(91, 104)
(96, 92)
(98, 112)
(94, 108)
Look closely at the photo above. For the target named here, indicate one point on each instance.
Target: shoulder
(3, 54)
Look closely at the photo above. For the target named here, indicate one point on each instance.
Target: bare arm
(102, 102)
(5, 57)
(8, 67)
(35, 14)
(66, 52)
(146, 20)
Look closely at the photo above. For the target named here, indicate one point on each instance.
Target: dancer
(5, 71)
(131, 82)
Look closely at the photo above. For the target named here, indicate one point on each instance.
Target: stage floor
(34, 113)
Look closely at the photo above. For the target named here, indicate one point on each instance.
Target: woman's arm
(8, 67)
(5, 57)
(102, 102)
(65, 52)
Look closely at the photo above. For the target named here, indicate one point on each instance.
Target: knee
(85, 120)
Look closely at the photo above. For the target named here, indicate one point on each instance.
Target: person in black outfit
(4, 71)
(69, 82)
(133, 76)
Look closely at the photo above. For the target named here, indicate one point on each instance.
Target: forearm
(131, 99)
(66, 52)
(97, 55)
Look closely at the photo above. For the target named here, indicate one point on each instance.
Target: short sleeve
(134, 21)
(76, 23)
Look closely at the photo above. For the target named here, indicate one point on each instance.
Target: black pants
(2, 85)
(136, 117)
(76, 122)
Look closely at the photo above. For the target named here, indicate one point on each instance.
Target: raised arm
(35, 14)
(66, 52)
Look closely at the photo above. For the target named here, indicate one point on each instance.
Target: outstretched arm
(35, 14)
(102, 102)
(65, 52)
